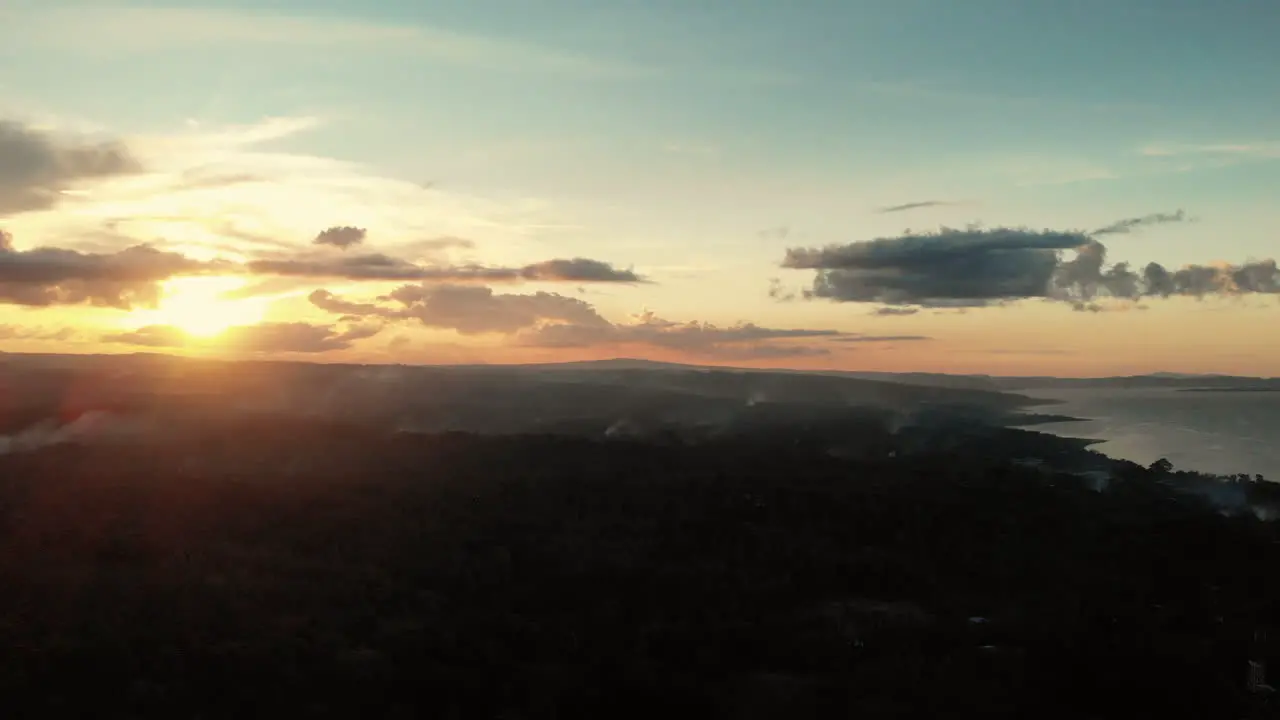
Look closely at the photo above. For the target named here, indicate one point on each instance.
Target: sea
(1215, 432)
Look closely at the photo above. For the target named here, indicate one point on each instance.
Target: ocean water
(1216, 432)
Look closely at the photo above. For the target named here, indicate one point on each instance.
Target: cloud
(431, 246)
(551, 320)
(16, 332)
(913, 206)
(150, 336)
(578, 270)
(123, 29)
(329, 302)
(474, 310)
(381, 267)
(467, 309)
(128, 278)
(781, 232)
(296, 337)
(779, 292)
(880, 338)
(341, 236)
(895, 311)
(47, 276)
(1263, 150)
(978, 267)
(742, 341)
(204, 179)
(37, 167)
(270, 286)
(1127, 225)
(267, 338)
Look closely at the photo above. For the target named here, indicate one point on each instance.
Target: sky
(996, 186)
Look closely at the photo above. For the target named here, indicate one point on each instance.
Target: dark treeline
(315, 570)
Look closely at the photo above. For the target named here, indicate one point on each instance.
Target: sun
(198, 306)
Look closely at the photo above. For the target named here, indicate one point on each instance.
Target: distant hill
(992, 383)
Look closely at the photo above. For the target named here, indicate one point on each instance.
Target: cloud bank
(53, 276)
(551, 320)
(975, 267)
(381, 267)
(46, 276)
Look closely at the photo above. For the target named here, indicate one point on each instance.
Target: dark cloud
(978, 267)
(578, 270)
(1127, 225)
(919, 205)
(373, 266)
(53, 276)
(36, 166)
(295, 337)
(972, 265)
(377, 266)
(895, 311)
(130, 277)
(341, 237)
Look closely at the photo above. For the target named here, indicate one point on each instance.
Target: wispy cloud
(17, 332)
(1128, 225)
(951, 94)
(266, 338)
(1265, 149)
(858, 338)
(918, 205)
(701, 150)
(206, 190)
(137, 29)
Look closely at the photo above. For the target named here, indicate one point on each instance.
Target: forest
(315, 569)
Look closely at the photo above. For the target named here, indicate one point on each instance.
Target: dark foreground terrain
(277, 568)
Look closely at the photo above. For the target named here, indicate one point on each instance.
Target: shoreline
(1240, 389)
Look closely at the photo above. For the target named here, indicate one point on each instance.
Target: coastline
(1242, 389)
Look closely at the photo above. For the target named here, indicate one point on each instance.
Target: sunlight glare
(196, 306)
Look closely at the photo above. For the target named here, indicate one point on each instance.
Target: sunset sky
(987, 186)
